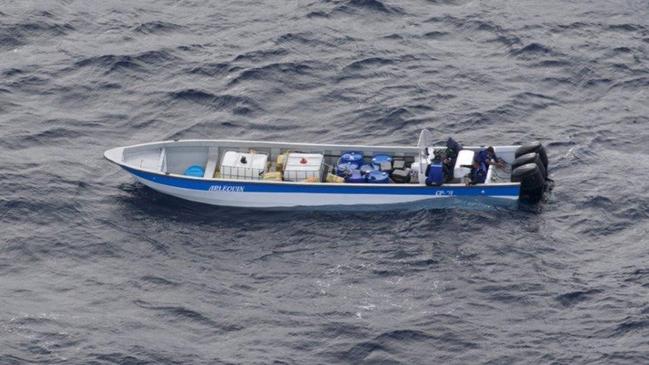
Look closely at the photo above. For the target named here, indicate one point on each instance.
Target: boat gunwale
(236, 142)
(289, 145)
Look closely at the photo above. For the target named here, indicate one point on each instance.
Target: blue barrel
(354, 158)
(377, 160)
(435, 175)
(344, 169)
(378, 177)
(356, 177)
(195, 170)
(366, 169)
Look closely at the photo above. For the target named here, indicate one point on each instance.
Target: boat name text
(227, 188)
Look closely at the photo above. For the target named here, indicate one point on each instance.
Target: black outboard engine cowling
(536, 147)
(532, 182)
(530, 158)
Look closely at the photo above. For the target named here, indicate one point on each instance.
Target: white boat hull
(361, 196)
(152, 165)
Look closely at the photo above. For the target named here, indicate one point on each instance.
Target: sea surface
(98, 269)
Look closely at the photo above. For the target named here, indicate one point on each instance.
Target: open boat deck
(173, 157)
(162, 166)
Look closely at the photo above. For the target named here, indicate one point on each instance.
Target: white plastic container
(240, 166)
(464, 159)
(301, 166)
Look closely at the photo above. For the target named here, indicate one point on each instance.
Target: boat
(262, 174)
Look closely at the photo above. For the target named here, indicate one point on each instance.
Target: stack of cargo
(463, 164)
(378, 177)
(382, 163)
(348, 164)
(352, 158)
(243, 166)
(382, 169)
(273, 176)
(366, 169)
(356, 177)
(331, 178)
(348, 167)
(400, 173)
(304, 167)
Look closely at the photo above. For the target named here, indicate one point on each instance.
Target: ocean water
(97, 269)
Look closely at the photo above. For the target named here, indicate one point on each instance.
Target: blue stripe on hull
(261, 187)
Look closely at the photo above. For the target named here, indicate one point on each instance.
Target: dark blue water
(96, 269)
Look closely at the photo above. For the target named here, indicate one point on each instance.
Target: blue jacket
(483, 156)
(479, 175)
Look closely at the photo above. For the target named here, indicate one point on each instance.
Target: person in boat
(478, 173)
(488, 157)
(449, 158)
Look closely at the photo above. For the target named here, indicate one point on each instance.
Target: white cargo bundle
(243, 166)
(463, 163)
(302, 166)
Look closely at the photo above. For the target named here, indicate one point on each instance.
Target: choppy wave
(96, 268)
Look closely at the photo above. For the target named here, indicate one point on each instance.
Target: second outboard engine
(530, 158)
(530, 168)
(532, 182)
(533, 147)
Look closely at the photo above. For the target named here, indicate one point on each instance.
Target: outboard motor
(530, 158)
(536, 147)
(530, 168)
(532, 182)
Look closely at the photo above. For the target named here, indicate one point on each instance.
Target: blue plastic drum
(356, 177)
(355, 158)
(195, 170)
(366, 169)
(379, 160)
(378, 177)
(344, 169)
